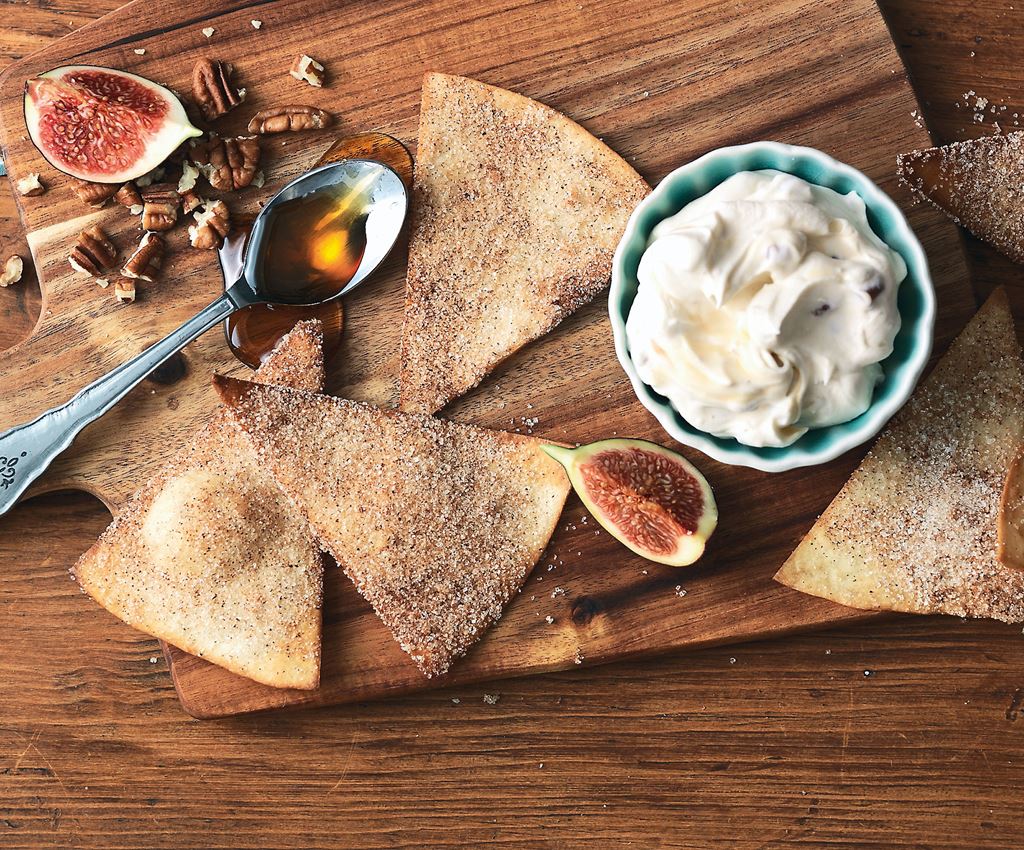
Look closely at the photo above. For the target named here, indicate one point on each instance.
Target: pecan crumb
(30, 186)
(12, 271)
(308, 70)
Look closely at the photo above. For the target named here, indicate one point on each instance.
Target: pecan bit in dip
(94, 253)
(228, 163)
(285, 119)
(213, 221)
(145, 261)
(12, 270)
(160, 207)
(95, 194)
(30, 186)
(308, 70)
(213, 88)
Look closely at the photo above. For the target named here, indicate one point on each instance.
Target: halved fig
(649, 498)
(103, 125)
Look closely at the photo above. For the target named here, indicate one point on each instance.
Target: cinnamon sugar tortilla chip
(978, 183)
(437, 523)
(914, 529)
(209, 556)
(517, 211)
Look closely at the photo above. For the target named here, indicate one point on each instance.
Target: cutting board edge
(198, 712)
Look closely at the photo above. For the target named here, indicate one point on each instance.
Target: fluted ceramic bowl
(916, 300)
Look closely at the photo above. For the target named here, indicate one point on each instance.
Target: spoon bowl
(370, 197)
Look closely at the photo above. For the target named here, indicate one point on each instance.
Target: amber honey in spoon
(314, 247)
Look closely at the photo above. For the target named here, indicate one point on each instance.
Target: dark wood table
(906, 734)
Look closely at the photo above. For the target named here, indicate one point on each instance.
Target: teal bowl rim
(916, 299)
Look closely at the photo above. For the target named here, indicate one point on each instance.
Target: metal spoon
(27, 450)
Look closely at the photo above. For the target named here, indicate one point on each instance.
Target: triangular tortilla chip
(914, 529)
(210, 556)
(517, 211)
(438, 524)
(978, 183)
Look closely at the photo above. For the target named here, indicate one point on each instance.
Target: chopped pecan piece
(95, 194)
(124, 290)
(189, 176)
(128, 196)
(12, 271)
(145, 261)
(229, 163)
(94, 253)
(213, 88)
(190, 201)
(308, 70)
(284, 119)
(30, 186)
(213, 222)
(160, 207)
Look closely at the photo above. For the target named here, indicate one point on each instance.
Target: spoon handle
(27, 450)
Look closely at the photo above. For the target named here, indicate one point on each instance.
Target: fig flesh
(649, 498)
(101, 124)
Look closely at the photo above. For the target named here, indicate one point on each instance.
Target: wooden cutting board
(661, 82)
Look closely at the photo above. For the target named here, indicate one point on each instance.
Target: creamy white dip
(764, 308)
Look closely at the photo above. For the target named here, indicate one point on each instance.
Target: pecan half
(308, 70)
(12, 270)
(213, 88)
(30, 186)
(95, 194)
(145, 261)
(94, 253)
(213, 222)
(159, 207)
(284, 119)
(229, 163)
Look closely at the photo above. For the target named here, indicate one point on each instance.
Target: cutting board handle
(27, 450)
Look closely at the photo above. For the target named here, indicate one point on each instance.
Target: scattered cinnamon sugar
(979, 183)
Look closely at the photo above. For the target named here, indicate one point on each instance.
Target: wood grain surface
(639, 88)
(789, 744)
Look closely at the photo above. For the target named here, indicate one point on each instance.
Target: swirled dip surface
(764, 308)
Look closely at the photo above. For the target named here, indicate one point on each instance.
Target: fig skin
(689, 546)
